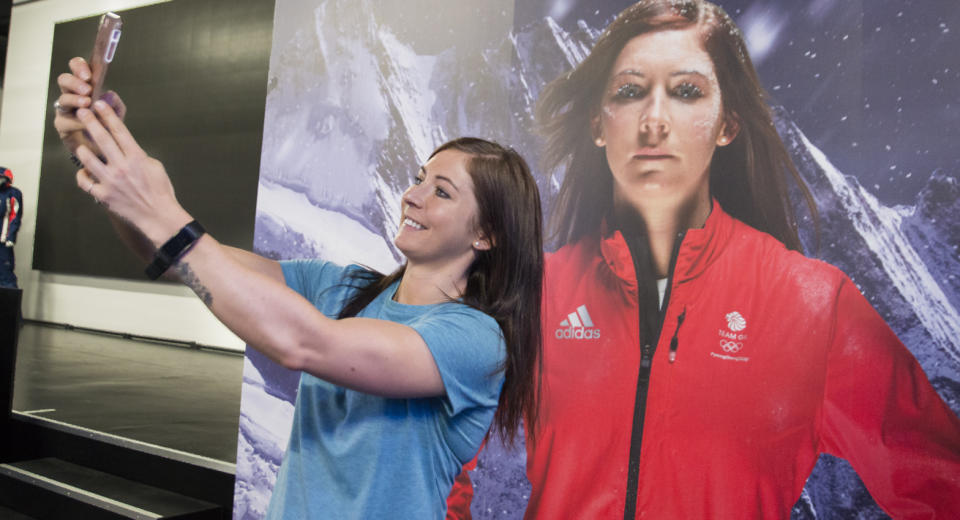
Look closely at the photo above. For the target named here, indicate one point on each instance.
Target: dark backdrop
(194, 76)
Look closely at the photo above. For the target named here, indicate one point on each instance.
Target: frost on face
(709, 124)
(608, 112)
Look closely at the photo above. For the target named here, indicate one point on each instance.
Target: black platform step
(50, 488)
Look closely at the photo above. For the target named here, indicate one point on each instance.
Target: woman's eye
(417, 180)
(442, 194)
(687, 91)
(630, 91)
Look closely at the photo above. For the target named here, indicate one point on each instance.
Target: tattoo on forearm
(190, 280)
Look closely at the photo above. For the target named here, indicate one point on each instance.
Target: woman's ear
(596, 130)
(482, 243)
(729, 130)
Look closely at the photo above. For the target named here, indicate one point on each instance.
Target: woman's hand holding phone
(75, 92)
(123, 178)
(84, 84)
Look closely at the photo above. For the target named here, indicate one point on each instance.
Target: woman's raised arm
(75, 92)
(247, 292)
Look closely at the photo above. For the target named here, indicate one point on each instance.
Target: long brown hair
(504, 281)
(748, 177)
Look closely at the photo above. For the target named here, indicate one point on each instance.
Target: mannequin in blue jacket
(11, 212)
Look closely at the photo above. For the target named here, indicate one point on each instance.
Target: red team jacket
(778, 359)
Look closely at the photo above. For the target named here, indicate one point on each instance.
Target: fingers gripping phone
(104, 48)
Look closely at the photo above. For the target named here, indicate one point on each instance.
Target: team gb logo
(735, 321)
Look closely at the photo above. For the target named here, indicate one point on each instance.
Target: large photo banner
(864, 95)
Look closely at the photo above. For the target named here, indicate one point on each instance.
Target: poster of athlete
(863, 96)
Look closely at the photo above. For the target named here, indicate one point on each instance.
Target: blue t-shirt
(356, 455)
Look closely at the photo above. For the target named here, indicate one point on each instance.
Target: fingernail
(83, 112)
(99, 104)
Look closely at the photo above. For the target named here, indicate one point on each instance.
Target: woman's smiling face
(660, 119)
(440, 212)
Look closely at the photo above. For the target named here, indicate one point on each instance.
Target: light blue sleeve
(319, 281)
(469, 350)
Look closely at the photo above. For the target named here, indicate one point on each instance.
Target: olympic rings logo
(730, 347)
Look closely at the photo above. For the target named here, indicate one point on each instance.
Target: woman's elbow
(290, 353)
(293, 360)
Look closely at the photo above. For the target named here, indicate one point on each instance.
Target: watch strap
(173, 249)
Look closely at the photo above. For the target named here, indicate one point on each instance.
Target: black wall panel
(193, 74)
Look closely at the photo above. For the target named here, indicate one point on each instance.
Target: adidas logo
(578, 325)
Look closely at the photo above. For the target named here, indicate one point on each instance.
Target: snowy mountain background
(360, 92)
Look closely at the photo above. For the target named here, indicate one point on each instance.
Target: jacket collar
(700, 248)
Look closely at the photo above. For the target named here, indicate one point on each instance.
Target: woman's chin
(401, 245)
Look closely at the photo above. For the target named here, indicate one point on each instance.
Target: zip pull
(646, 356)
(674, 342)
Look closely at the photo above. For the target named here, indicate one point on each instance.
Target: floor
(170, 396)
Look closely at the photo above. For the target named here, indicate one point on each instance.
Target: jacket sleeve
(10, 213)
(882, 415)
(16, 215)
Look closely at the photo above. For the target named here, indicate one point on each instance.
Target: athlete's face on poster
(440, 212)
(660, 120)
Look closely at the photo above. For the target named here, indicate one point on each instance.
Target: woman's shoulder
(319, 264)
(314, 278)
(462, 316)
(774, 260)
(320, 268)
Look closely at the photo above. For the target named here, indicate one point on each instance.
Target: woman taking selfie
(696, 364)
(402, 373)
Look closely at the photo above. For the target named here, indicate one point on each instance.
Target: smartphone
(104, 48)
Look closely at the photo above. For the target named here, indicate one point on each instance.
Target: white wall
(152, 309)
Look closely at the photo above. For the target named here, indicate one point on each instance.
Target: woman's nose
(413, 196)
(655, 121)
